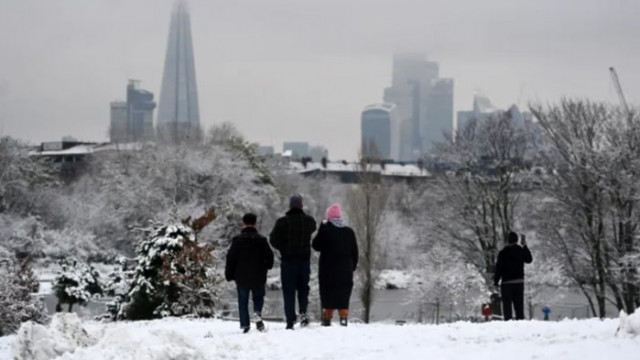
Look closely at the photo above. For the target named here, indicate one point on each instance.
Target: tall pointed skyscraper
(178, 113)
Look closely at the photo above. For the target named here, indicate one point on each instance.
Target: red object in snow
(486, 312)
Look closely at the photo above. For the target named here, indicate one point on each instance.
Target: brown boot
(327, 315)
(344, 314)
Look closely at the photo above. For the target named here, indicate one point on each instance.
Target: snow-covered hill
(216, 339)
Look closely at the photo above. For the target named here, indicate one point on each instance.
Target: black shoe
(326, 322)
(257, 319)
(245, 330)
(343, 321)
(304, 321)
(289, 326)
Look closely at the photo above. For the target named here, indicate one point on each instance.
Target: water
(389, 305)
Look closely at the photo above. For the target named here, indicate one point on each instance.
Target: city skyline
(255, 71)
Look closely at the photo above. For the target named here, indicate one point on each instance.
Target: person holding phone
(510, 275)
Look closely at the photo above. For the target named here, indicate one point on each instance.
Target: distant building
(140, 106)
(424, 104)
(439, 113)
(298, 149)
(482, 109)
(70, 157)
(118, 128)
(380, 132)
(133, 120)
(348, 173)
(265, 150)
(178, 112)
(318, 152)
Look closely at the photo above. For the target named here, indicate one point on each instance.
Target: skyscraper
(424, 104)
(380, 132)
(178, 112)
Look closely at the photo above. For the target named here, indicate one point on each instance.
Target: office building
(132, 120)
(424, 104)
(380, 132)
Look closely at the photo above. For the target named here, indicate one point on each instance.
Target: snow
(395, 279)
(173, 338)
(630, 323)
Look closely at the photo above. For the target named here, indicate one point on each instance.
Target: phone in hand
(523, 239)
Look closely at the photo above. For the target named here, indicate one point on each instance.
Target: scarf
(338, 222)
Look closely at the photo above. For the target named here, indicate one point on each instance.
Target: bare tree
(594, 149)
(367, 202)
(472, 207)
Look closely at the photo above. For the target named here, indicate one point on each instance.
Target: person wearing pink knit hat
(338, 249)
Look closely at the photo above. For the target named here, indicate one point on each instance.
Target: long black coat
(338, 260)
(248, 260)
(510, 263)
(291, 235)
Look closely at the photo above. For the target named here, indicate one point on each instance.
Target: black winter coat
(291, 235)
(338, 260)
(510, 264)
(248, 260)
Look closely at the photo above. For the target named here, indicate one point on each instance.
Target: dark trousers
(513, 294)
(295, 278)
(243, 303)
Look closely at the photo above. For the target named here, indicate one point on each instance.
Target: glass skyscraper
(178, 111)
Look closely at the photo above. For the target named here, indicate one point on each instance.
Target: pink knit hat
(334, 212)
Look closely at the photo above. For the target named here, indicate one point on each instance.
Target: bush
(75, 284)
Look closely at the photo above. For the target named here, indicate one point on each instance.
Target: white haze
(285, 70)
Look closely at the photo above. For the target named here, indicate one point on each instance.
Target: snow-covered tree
(21, 178)
(76, 283)
(594, 150)
(173, 276)
(17, 301)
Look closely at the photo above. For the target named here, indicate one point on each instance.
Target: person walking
(510, 269)
(248, 260)
(338, 249)
(291, 236)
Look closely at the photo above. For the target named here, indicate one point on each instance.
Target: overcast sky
(302, 70)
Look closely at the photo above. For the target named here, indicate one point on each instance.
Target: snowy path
(185, 339)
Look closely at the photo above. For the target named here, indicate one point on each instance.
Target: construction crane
(616, 83)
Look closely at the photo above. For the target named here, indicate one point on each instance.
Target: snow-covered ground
(217, 339)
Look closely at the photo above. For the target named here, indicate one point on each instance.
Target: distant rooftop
(397, 170)
(381, 106)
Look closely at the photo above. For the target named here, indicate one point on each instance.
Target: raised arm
(527, 255)
(318, 241)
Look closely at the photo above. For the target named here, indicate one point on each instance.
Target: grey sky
(296, 70)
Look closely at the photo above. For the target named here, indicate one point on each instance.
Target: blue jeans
(294, 275)
(243, 303)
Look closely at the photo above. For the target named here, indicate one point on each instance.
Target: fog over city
(287, 70)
